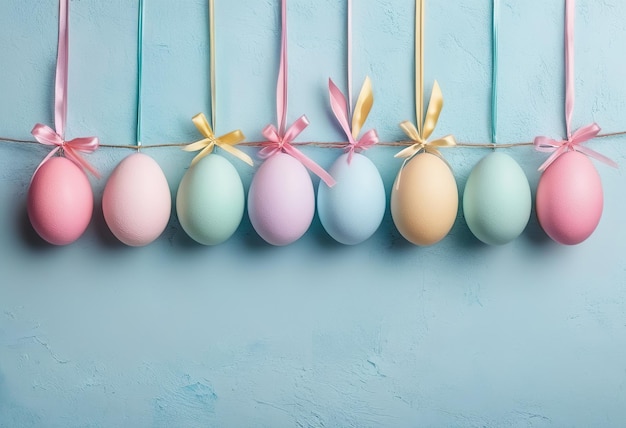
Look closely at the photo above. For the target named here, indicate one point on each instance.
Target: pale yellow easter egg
(424, 200)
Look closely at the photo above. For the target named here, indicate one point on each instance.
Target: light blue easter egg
(351, 211)
(497, 199)
(210, 200)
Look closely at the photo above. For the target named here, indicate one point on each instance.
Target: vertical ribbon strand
(212, 60)
(279, 140)
(569, 64)
(226, 142)
(573, 140)
(56, 137)
(419, 66)
(349, 60)
(140, 19)
(61, 77)
(281, 85)
(494, 70)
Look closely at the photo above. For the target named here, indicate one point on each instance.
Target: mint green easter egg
(210, 200)
(497, 199)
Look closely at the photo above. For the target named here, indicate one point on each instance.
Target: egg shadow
(465, 238)
(103, 233)
(396, 242)
(534, 233)
(462, 233)
(251, 239)
(28, 233)
(176, 235)
(322, 238)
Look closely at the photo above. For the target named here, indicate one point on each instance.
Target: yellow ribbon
(428, 126)
(225, 142)
(425, 125)
(362, 108)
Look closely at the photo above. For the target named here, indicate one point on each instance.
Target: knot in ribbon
(47, 136)
(277, 143)
(421, 135)
(362, 109)
(574, 143)
(207, 144)
(574, 140)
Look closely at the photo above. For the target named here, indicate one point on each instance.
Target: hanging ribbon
(280, 139)
(361, 111)
(226, 141)
(425, 125)
(46, 135)
(341, 107)
(495, 21)
(574, 140)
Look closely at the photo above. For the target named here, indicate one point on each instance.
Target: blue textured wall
(315, 334)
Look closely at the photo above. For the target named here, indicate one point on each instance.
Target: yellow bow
(225, 142)
(428, 126)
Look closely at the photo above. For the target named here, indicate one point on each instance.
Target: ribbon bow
(277, 142)
(279, 139)
(574, 142)
(206, 145)
(47, 136)
(362, 109)
(428, 126)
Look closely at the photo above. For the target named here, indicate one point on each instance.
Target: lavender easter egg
(497, 199)
(210, 200)
(570, 199)
(281, 200)
(424, 200)
(60, 201)
(351, 210)
(136, 201)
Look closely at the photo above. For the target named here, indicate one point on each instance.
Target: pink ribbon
(277, 143)
(574, 140)
(46, 135)
(340, 108)
(280, 139)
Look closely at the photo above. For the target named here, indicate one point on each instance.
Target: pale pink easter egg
(570, 199)
(60, 201)
(281, 200)
(137, 202)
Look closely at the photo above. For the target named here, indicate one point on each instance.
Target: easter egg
(60, 201)
(136, 201)
(424, 199)
(497, 199)
(210, 200)
(281, 200)
(569, 199)
(352, 210)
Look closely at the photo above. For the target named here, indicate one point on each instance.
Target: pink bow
(339, 106)
(586, 133)
(276, 143)
(46, 135)
(577, 138)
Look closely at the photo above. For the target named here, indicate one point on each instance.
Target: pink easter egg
(137, 202)
(60, 201)
(281, 201)
(570, 199)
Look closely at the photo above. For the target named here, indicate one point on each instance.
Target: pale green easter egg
(497, 199)
(210, 200)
